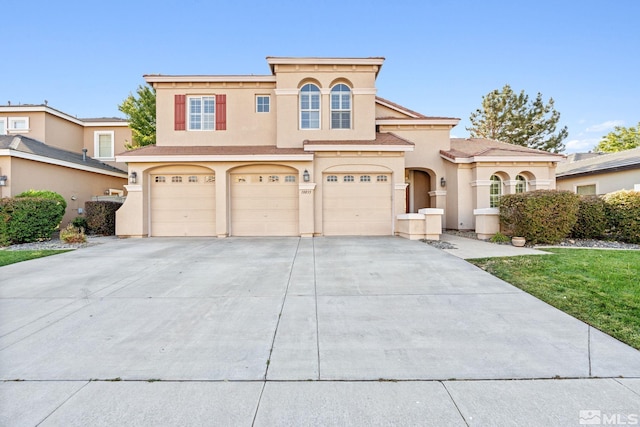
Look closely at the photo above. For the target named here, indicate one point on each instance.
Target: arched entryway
(419, 185)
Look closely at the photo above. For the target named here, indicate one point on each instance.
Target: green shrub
(623, 214)
(541, 216)
(45, 194)
(72, 234)
(29, 219)
(592, 218)
(499, 238)
(80, 222)
(101, 217)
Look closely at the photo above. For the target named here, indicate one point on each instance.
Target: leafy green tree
(141, 112)
(620, 139)
(509, 117)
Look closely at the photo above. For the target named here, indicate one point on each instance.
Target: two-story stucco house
(43, 148)
(311, 150)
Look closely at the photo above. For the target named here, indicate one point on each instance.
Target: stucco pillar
(130, 218)
(399, 205)
(487, 222)
(221, 203)
(433, 222)
(306, 208)
(439, 201)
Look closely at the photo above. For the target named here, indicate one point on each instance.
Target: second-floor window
(103, 144)
(3, 126)
(340, 107)
(262, 104)
(202, 113)
(309, 107)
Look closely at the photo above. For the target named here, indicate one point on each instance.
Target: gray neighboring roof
(620, 161)
(31, 146)
(478, 147)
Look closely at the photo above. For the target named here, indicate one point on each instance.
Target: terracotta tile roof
(471, 147)
(622, 160)
(381, 139)
(32, 146)
(191, 150)
(405, 109)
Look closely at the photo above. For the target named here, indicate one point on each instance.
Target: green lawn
(11, 257)
(599, 287)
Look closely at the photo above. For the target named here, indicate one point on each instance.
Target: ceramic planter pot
(518, 241)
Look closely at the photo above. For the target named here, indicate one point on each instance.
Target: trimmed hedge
(101, 217)
(45, 194)
(623, 211)
(29, 219)
(592, 218)
(541, 216)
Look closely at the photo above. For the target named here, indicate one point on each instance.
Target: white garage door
(356, 204)
(183, 205)
(264, 204)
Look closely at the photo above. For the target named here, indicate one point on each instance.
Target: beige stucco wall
(28, 174)
(121, 136)
(290, 78)
(244, 125)
(62, 133)
(605, 183)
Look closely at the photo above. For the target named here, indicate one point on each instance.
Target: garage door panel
(263, 208)
(357, 207)
(183, 208)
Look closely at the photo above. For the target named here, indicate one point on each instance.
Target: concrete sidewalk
(471, 248)
(288, 331)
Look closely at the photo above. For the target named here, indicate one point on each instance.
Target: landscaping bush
(72, 234)
(29, 219)
(623, 215)
(592, 218)
(101, 217)
(541, 216)
(80, 222)
(46, 194)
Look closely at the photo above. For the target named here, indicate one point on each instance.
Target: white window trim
(339, 110)
(4, 120)
(309, 109)
(96, 144)
(11, 124)
(263, 96)
(188, 112)
(586, 184)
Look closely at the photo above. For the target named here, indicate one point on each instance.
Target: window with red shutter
(180, 113)
(221, 112)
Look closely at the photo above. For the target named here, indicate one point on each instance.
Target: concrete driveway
(288, 331)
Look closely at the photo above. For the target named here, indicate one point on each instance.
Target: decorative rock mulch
(56, 243)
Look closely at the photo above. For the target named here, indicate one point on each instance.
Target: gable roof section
(471, 150)
(27, 148)
(409, 116)
(86, 122)
(153, 153)
(383, 142)
(614, 162)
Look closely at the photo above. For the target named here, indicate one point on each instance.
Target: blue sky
(441, 57)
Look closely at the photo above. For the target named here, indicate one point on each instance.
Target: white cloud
(581, 145)
(608, 125)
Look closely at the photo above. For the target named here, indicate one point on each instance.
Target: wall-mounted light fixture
(305, 176)
(443, 182)
(133, 178)
(3, 180)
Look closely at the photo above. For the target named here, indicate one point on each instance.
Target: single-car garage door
(183, 204)
(264, 204)
(356, 204)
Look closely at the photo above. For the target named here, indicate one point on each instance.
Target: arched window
(341, 107)
(309, 107)
(521, 184)
(495, 191)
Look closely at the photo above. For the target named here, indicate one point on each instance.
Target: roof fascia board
(421, 121)
(215, 158)
(351, 147)
(56, 162)
(154, 78)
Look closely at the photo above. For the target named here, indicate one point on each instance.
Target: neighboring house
(311, 150)
(42, 148)
(601, 174)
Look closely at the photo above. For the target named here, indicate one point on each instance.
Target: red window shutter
(221, 112)
(180, 113)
